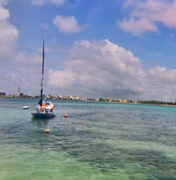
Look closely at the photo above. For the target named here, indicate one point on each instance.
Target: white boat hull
(25, 107)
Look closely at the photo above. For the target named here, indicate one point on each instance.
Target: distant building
(21, 94)
(10, 95)
(60, 97)
(2, 94)
(70, 97)
(18, 90)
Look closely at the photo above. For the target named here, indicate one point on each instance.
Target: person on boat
(47, 106)
(47, 101)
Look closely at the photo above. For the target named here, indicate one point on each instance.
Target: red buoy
(65, 115)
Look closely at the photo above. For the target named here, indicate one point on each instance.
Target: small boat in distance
(25, 107)
(45, 108)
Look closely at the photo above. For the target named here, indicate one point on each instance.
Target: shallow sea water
(97, 141)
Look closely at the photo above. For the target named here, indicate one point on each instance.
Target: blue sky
(116, 49)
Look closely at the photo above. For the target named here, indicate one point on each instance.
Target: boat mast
(41, 91)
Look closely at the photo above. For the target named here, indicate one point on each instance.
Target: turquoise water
(97, 141)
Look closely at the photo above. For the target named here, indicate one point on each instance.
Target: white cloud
(3, 2)
(98, 68)
(25, 58)
(67, 24)
(94, 69)
(8, 35)
(23, 71)
(4, 13)
(57, 2)
(139, 26)
(14, 68)
(43, 2)
(104, 69)
(28, 80)
(45, 26)
(146, 15)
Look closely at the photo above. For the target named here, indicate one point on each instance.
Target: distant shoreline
(159, 103)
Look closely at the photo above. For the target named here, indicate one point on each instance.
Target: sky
(124, 49)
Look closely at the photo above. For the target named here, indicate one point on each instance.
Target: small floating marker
(47, 130)
(65, 115)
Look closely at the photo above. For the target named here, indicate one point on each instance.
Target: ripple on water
(96, 141)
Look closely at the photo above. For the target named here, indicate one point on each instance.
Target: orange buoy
(65, 115)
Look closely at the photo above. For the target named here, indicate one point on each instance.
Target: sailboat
(45, 108)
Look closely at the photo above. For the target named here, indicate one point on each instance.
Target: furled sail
(41, 91)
